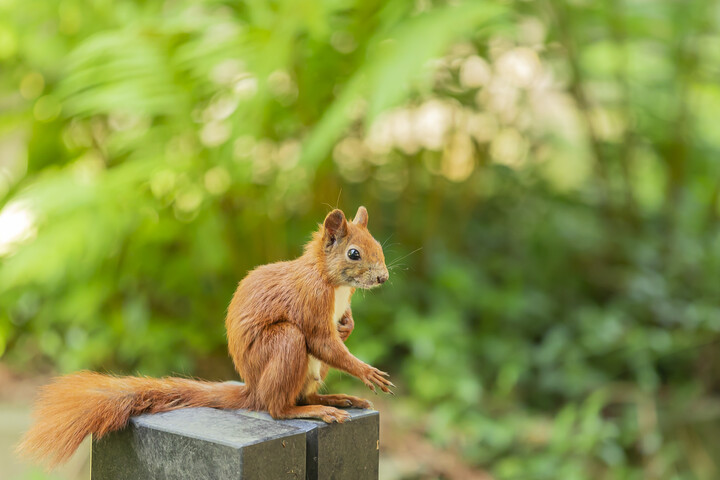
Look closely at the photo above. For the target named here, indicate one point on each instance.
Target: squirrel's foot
(339, 400)
(334, 415)
(324, 413)
(359, 402)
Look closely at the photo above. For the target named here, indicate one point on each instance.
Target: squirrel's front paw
(372, 376)
(345, 327)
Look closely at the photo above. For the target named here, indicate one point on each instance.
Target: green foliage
(544, 176)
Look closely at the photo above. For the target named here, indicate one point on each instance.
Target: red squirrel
(286, 325)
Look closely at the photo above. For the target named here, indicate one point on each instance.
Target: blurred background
(544, 176)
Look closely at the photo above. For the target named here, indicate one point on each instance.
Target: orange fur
(280, 318)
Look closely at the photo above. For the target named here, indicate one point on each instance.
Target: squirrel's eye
(353, 254)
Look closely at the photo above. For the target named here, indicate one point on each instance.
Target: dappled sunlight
(17, 225)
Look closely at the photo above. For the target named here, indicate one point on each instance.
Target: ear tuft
(335, 224)
(361, 217)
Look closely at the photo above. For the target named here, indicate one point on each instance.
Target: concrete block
(205, 443)
(200, 443)
(338, 451)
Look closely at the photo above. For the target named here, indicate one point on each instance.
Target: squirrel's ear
(361, 217)
(335, 225)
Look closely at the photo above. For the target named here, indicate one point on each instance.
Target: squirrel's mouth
(367, 279)
(364, 285)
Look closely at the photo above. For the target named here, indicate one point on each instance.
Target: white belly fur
(342, 301)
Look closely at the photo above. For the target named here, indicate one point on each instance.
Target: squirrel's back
(288, 291)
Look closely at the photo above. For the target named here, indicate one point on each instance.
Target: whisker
(337, 202)
(405, 256)
(386, 240)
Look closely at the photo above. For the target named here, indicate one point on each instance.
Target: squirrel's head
(352, 257)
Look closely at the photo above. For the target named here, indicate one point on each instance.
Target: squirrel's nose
(382, 278)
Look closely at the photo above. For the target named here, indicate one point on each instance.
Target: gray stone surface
(204, 443)
(200, 443)
(338, 451)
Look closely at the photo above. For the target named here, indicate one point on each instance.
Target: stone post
(205, 443)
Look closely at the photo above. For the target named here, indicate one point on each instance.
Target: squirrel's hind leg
(311, 397)
(337, 400)
(283, 351)
(326, 414)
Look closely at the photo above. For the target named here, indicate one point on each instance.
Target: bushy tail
(85, 403)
